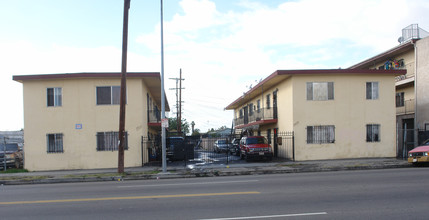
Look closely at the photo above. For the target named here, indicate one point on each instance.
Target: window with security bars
(372, 90)
(323, 134)
(108, 95)
(372, 133)
(320, 91)
(54, 97)
(109, 141)
(54, 143)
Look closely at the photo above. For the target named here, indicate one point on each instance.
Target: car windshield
(259, 140)
(222, 142)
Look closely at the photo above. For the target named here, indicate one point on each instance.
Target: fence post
(293, 146)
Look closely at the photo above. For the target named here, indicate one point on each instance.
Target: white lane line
(270, 216)
(183, 184)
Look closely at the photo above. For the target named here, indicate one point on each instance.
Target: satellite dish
(400, 40)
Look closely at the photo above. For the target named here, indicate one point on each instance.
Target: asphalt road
(369, 194)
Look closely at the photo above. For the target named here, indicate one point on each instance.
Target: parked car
(255, 147)
(12, 155)
(419, 154)
(222, 146)
(236, 146)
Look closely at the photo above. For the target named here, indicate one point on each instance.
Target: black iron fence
(210, 150)
(284, 145)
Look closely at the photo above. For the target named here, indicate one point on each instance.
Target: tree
(196, 132)
(172, 125)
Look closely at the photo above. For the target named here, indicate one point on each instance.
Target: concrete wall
(79, 107)
(422, 82)
(349, 112)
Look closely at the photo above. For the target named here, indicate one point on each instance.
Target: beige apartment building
(71, 120)
(411, 89)
(333, 113)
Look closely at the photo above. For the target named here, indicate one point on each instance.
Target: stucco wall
(79, 107)
(422, 82)
(349, 112)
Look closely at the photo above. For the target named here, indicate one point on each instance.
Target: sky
(222, 46)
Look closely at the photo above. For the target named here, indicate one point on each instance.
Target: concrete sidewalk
(179, 170)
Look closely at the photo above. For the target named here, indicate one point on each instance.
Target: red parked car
(419, 155)
(255, 147)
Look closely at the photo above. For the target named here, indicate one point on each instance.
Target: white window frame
(113, 100)
(320, 91)
(57, 97)
(372, 90)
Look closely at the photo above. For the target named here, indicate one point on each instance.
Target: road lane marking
(182, 184)
(270, 216)
(128, 198)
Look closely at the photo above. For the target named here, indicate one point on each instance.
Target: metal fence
(193, 150)
(202, 150)
(284, 145)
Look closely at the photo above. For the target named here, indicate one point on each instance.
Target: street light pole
(163, 138)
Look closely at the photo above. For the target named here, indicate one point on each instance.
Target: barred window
(54, 143)
(372, 90)
(320, 134)
(372, 133)
(109, 141)
(108, 95)
(54, 97)
(320, 91)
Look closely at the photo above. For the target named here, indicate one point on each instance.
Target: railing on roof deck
(255, 115)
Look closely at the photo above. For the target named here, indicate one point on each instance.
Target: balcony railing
(407, 108)
(410, 72)
(154, 116)
(256, 115)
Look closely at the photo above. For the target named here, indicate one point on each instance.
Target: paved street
(368, 194)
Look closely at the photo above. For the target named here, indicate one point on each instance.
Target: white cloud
(222, 52)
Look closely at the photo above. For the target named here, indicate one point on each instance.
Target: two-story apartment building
(334, 113)
(412, 90)
(72, 120)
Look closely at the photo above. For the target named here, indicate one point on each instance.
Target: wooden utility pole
(123, 89)
(178, 102)
(179, 120)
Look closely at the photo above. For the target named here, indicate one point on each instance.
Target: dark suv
(12, 155)
(255, 147)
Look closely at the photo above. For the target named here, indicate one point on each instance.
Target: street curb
(206, 172)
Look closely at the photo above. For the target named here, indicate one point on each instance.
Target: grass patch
(24, 178)
(14, 170)
(103, 175)
(291, 165)
(357, 165)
